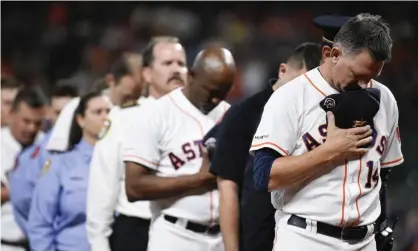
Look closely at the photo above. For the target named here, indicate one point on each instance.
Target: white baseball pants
(165, 235)
(298, 239)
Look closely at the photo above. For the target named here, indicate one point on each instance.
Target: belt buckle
(347, 234)
(209, 227)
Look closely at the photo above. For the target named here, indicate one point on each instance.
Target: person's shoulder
(236, 111)
(72, 105)
(4, 129)
(219, 111)
(386, 95)
(289, 92)
(29, 153)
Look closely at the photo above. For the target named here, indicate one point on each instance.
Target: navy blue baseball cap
(330, 25)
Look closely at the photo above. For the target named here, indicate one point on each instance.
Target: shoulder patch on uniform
(46, 167)
(105, 129)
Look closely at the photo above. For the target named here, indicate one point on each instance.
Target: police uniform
(231, 161)
(330, 25)
(12, 237)
(24, 177)
(106, 193)
(58, 212)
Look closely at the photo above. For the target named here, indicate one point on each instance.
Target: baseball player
(327, 178)
(166, 163)
(246, 215)
(106, 193)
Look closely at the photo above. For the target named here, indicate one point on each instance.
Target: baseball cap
(353, 108)
(330, 25)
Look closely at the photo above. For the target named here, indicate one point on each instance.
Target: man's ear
(326, 52)
(335, 54)
(110, 80)
(146, 74)
(282, 70)
(190, 76)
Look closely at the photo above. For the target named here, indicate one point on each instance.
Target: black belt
(20, 243)
(196, 227)
(347, 234)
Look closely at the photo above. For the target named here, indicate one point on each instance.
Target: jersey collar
(318, 82)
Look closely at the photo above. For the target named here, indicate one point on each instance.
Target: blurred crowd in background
(42, 43)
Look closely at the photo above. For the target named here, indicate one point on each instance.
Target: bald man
(167, 164)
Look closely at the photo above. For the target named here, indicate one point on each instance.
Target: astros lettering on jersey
(293, 123)
(169, 142)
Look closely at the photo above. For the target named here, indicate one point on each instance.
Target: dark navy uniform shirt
(231, 160)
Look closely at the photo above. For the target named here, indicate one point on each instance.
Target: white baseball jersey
(293, 123)
(106, 192)
(169, 142)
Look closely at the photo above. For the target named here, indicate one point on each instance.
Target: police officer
(58, 210)
(164, 65)
(30, 161)
(234, 136)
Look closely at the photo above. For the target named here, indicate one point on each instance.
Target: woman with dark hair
(58, 210)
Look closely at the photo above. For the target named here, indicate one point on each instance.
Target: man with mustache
(167, 164)
(164, 65)
(106, 193)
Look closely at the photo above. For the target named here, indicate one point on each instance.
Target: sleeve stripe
(276, 147)
(141, 160)
(400, 159)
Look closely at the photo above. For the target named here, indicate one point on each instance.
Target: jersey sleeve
(393, 154)
(44, 208)
(278, 126)
(103, 187)
(142, 137)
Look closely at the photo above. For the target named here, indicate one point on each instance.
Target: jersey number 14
(372, 175)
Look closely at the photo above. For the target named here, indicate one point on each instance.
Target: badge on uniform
(105, 129)
(46, 167)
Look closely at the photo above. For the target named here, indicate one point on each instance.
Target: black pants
(129, 234)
